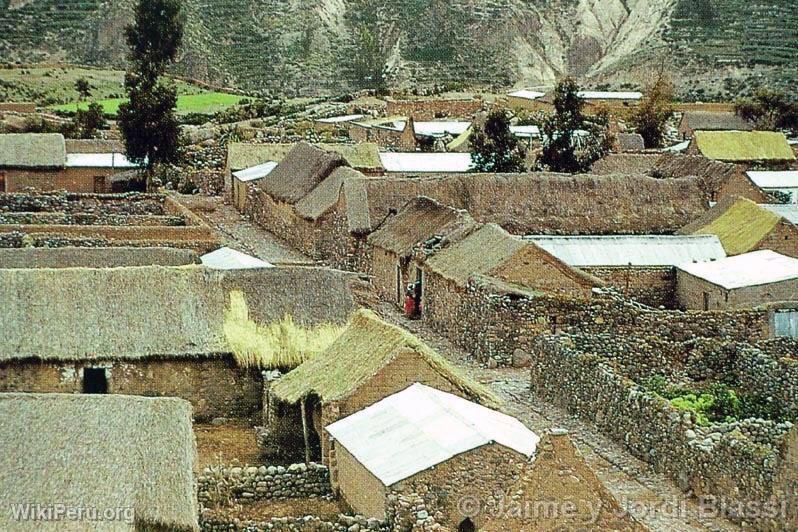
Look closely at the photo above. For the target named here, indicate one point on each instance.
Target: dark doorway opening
(466, 525)
(95, 380)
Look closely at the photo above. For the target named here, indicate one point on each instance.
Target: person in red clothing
(410, 305)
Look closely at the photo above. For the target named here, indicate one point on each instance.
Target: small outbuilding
(743, 281)
(693, 121)
(96, 463)
(742, 146)
(242, 179)
(423, 440)
(777, 182)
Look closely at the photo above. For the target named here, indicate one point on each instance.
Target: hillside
(310, 46)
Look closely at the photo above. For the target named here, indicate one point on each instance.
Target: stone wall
(432, 108)
(699, 294)
(31, 257)
(736, 463)
(654, 287)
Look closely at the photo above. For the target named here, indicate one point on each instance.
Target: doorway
(399, 288)
(706, 300)
(418, 293)
(466, 525)
(95, 380)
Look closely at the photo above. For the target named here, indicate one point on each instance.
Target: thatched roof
(739, 223)
(742, 146)
(366, 346)
(110, 257)
(537, 202)
(303, 168)
(678, 165)
(625, 163)
(153, 311)
(98, 451)
(421, 219)
(32, 150)
(324, 197)
(493, 252)
(714, 121)
(364, 155)
(94, 146)
(630, 142)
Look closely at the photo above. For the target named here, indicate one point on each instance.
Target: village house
(718, 180)
(242, 178)
(762, 147)
(425, 440)
(40, 161)
(426, 163)
(783, 183)
(743, 226)
(90, 455)
(226, 258)
(742, 281)
(336, 124)
(626, 163)
(152, 330)
(642, 267)
(524, 99)
(368, 362)
(693, 121)
(422, 225)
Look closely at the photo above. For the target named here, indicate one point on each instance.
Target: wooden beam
(305, 430)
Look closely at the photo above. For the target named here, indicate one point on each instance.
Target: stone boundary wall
(65, 257)
(17, 107)
(726, 461)
(654, 287)
(297, 481)
(430, 109)
(307, 523)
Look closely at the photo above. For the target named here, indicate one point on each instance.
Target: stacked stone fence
(743, 465)
(307, 523)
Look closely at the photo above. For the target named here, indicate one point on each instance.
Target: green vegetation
(282, 344)
(652, 115)
(205, 103)
(494, 148)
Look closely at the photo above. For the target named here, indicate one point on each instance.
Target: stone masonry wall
(654, 287)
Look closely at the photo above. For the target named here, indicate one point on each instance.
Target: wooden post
(305, 430)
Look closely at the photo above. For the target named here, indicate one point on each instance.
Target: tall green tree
(147, 120)
(373, 38)
(651, 116)
(494, 148)
(769, 109)
(572, 141)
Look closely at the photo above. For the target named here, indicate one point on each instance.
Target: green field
(207, 102)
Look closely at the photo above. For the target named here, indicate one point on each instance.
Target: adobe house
(642, 267)
(241, 180)
(693, 121)
(422, 225)
(425, 440)
(783, 182)
(152, 330)
(764, 147)
(524, 99)
(743, 281)
(370, 360)
(134, 455)
(743, 226)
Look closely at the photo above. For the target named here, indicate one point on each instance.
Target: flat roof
(98, 160)
(339, 119)
(635, 250)
(230, 259)
(677, 147)
(438, 128)
(525, 131)
(782, 179)
(527, 94)
(255, 172)
(610, 95)
(420, 162)
(749, 269)
(420, 427)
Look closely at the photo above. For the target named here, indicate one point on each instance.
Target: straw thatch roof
(94, 146)
(153, 311)
(324, 197)
(364, 155)
(366, 346)
(742, 146)
(303, 168)
(678, 165)
(625, 163)
(111, 257)
(98, 451)
(421, 219)
(713, 121)
(630, 142)
(32, 150)
(739, 223)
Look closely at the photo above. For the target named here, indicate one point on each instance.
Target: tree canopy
(494, 148)
(769, 109)
(652, 115)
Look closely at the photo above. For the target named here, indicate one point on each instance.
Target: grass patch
(282, 344)
(205, 103)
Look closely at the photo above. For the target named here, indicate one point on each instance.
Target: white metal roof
(749, 269)
(677, 147)
(438, 129)
(340, 119)
(784, 179)
(527, 94)
(788, 211)
(609, 95)
(637, 250)
(229, 259)
(255, 172)
(98, 160)
(426, 162)
(525, 131)
(420, 427)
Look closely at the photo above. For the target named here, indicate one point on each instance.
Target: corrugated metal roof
(527, 94)
(788, 211)
(609, 95)
(680, 147)
(420, 427)
(437, 128)
(98, 160)
(525, 131)
(426, 162)
(646, 250)
(785, 179)
(255, 172)
(229, 259)
(339, 119)
(750, 269)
